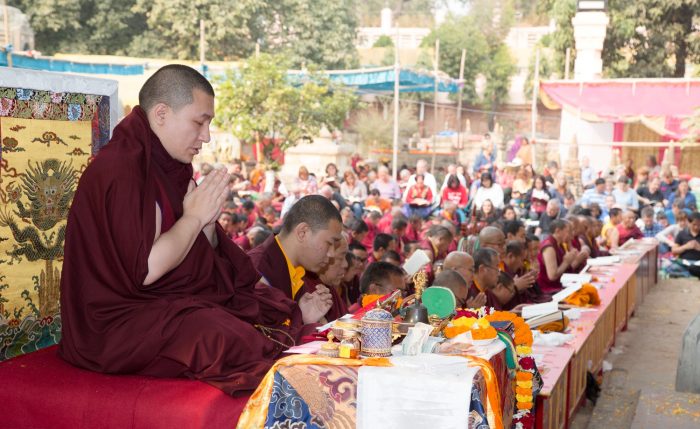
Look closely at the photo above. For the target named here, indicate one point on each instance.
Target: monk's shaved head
(457, 259)
(173, 85)
(314, 210)
(492, 234)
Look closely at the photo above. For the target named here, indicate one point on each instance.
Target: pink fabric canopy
(661, 104)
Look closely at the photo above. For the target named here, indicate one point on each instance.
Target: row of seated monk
(204, 309)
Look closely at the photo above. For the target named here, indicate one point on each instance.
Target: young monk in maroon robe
(310, 235)
(553, 259)
(151, 284)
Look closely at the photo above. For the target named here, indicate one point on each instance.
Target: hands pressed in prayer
(570, 256)
(525, 281)
(477, 301)
(204, 201)
(315, 305)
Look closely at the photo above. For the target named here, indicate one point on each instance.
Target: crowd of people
(534, 223)
(220, 274)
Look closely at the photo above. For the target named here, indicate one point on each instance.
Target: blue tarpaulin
(382, 80)
(60, 65)
(376, 80)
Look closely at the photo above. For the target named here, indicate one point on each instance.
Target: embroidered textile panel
(46, 142)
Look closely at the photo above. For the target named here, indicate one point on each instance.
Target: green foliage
(383, 41)
(87, 26)
(319, 32)
(232, 28)
(481, 34)
(498, 72)
(645, 38)
(376, 131)
(259, 100)
(546, 69)
(562, 11)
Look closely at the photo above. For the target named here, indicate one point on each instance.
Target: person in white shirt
(488, 191)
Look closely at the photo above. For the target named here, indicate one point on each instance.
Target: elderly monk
(627, 229)
(151, 284)
(463, 263)
(309, 239)
(493, 238)
(486, 275)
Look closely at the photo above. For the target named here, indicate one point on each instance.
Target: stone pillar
(589, 33)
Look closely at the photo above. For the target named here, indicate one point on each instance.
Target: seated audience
(625, 197)
(667, 236)
(687, 244)
(610, 235)
(649, 227)
(684, 196)
(354, 192)
(419, 198)
(650, 195)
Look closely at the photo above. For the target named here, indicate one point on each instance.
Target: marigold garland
(526, 367)
(523, 386)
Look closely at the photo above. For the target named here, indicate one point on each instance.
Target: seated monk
(553, 259)
(493, 238)
(454, 281)
(331, 276)
(586, 237)
(151, 284)
(463, 264)
(378, 280)
(437, 241)
(523, 279)
(310, 236)
(486, 275)
(577, 228)
(381, 244)
(627, 229)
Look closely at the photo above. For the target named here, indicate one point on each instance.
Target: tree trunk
(685, 16)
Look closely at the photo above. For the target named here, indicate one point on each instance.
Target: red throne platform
(40, 390)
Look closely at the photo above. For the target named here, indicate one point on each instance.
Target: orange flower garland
(526, 366)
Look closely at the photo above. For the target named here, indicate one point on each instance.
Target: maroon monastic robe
(197, 320)
(491, 300)
(270, 262)
(338, 309)
(549, 286)
(627, 234)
